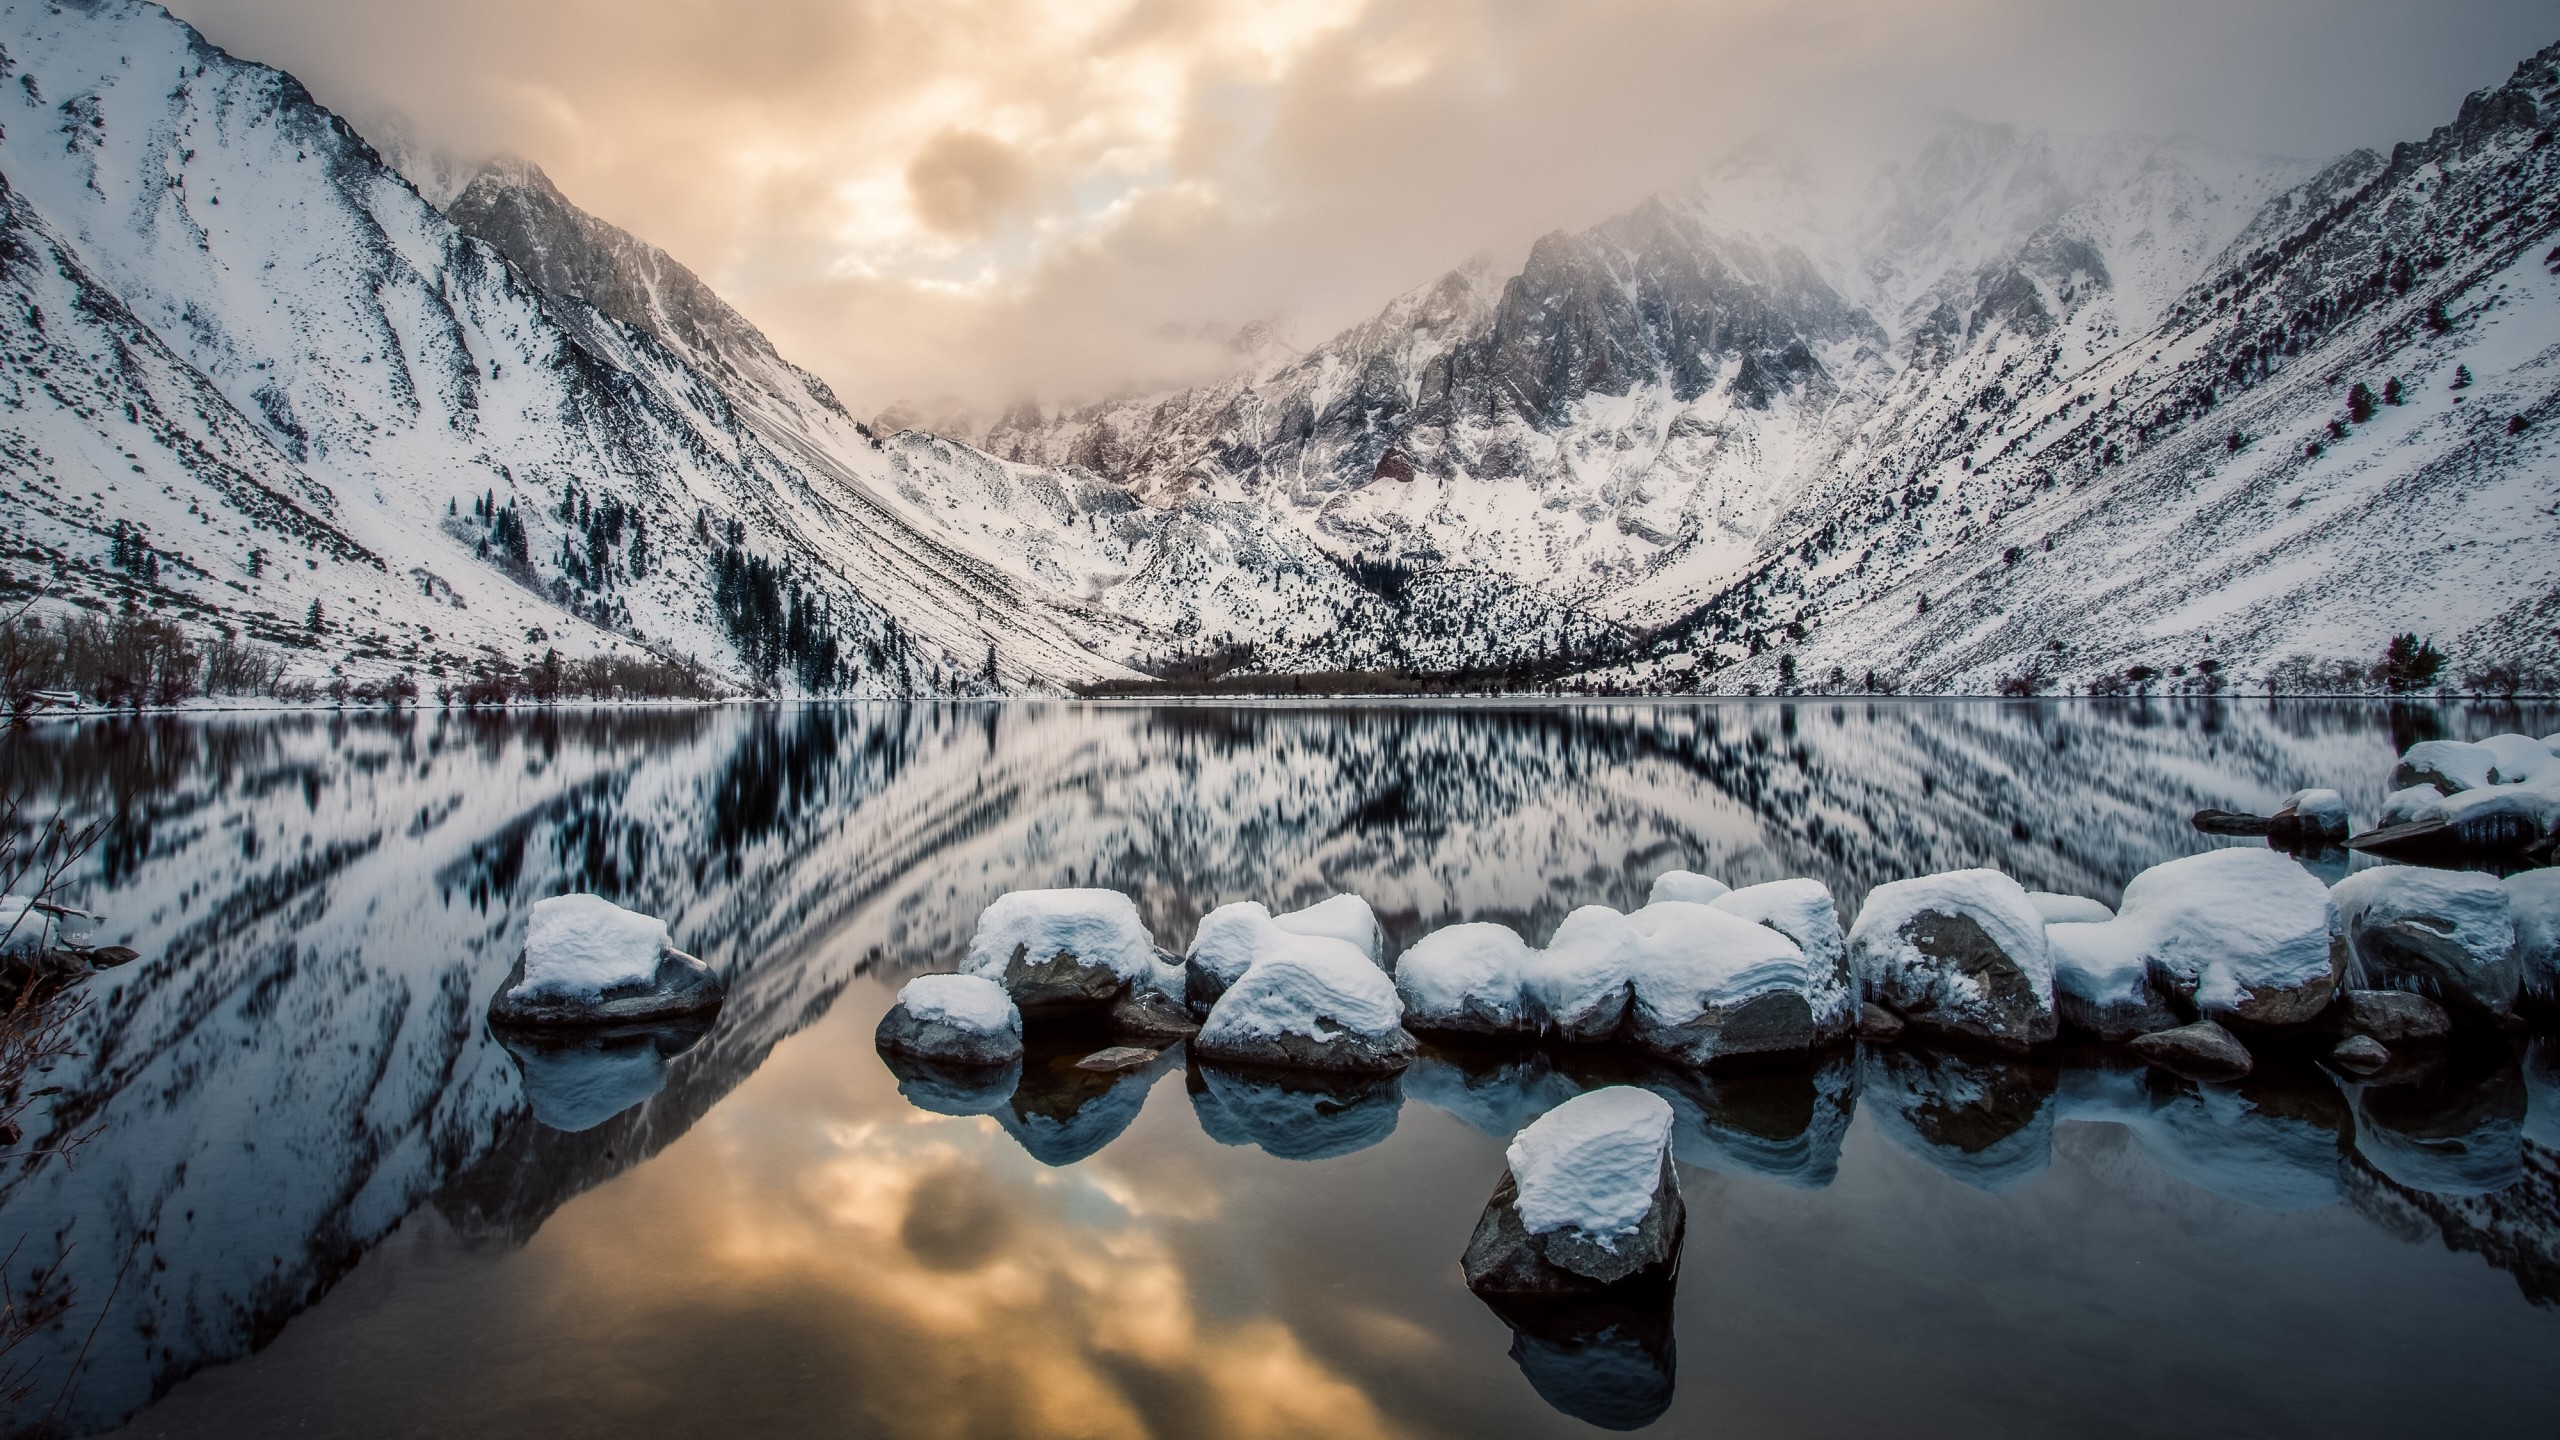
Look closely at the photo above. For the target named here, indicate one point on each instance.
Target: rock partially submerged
(2360, 1053)
(2394, 1017)
(953, 1019)
(1308, 1002)
(2243, 935)
(1710, 985)
(2452, 799)
(1588, 1201)
(2202, 1051)
(1963, 954)
(1063, 951)
(2446, 934)
(1233, 936)
(589, 962)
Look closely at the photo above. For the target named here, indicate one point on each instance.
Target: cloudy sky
(985, 198)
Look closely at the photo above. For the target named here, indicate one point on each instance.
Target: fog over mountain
(1998, 407)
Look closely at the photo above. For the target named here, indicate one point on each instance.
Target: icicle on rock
(588, 961)
(954, 1019)
(1588, 1201)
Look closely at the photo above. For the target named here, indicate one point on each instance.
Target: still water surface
(322, 1199)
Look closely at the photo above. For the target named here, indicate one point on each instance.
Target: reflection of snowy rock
(588, 961)
(1062, 1113)
(1498, 1094)
(2442, 933)
(1605, 1360)
(954, 1089)
(2272, 1142)
(1689, 886)
(578, 1080)
(1060, 951)
(1709, 985)
(1988, 1123)
(1785, 1122)
(2533, 904)
(2542, 1091)
(1296, 1116)
(1588, 1199)
(2069, 909)
(1963, 953)
(1465, 979)
(956, 1019)
(2202, 1051)
(1311, 1003)
(2449, 1124)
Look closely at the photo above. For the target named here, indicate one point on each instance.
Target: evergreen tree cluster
(506, 542)
(128, 551)
(779, 625)
(588, 556)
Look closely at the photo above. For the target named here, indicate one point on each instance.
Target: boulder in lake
(953, 1019)
(2447, 766)
(1962, 954)
(1062, 951)
(1878, 1025)
(2394, 1017)
(2447, 934)
(1234, 935)
(1308, 1002)
(1589, 1200)
(2310, 817)
(2361, 1054)
(2245, 935)
(2533, 903)
(1689, 886)
(588, 961)
(1708, 985)
(1804, 912)
(1465, 979)
(1149, 1013)
(2103, 984)
(2202, 1051)
(1577, 989)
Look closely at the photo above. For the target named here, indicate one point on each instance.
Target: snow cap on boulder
(1588, 1200)
(2102, 980)
(1963, 953)
(1466, 978)
(1687, 885)
(1229, 940)
(2450, 766)
(1707, 984)
(1804, 912)
(2533, 903)
(1577, 986)
(588, 961)
(2447, 934)
(2244, 933)
(2317, 814)
(1344, 917)
(958, 1019)
(2069, 909)
(1062, 949)
(1313, 1002)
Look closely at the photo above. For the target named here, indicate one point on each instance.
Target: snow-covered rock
(2069, 909)
(588, 961)
(1466, 978)
(1689, 886)
(2407, 803)
(2102, 980)
(1804, 912)
(2533, 902)
(2448, 766)
(2309, 815)
(1963, 953)
(1709, 985)
(1057, 951)
(958, 1019)
(1588, 1199)
(24, 930)
(1347, 918)
(2447, 934)
(2519, 759)
(1309, 1002)
(1578, 986)
(2202, 1051)
(2242, 934)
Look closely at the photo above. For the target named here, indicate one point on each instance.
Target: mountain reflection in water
(310, 1147)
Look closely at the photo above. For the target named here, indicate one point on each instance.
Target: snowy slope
(239, 334)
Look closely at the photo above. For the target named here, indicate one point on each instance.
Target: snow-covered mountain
(248, 369)
(2014, 407)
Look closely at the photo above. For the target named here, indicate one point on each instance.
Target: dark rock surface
(1877, 1024)
(1503, 1258)
(902, 1032)
(2394, 1017)
(1340, 1051)
(682, 986)
(1777, 1022)
(2202, 1051)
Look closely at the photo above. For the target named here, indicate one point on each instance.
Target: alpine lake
(318, 1196)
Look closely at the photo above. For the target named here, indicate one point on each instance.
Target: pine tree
(2361, 403)
(2461, 377)
(315, 621)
